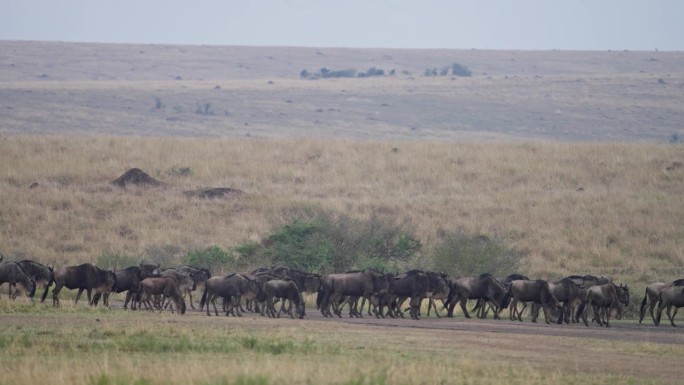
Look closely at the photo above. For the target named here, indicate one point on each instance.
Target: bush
(460, 70)
(322, 242)
(459, 255)
(212, 257)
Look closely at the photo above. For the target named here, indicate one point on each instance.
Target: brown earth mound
(136, 177)
(216, 192)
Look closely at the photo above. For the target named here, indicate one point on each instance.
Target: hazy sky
(482, 24)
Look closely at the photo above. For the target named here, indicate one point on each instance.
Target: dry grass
(99, 347)
(627, 222)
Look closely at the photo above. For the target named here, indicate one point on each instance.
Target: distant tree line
(455, 69)
(346, 73)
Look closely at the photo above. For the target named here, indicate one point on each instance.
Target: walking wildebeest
(82, 277)
(484, 287)
(185, 282)
(536, 291)
(163, 286)
(566, 292)
(13, 273)
(439, 290)
(652, 296)
(199, 275)
(334, 287)
(604, 298)
(413, 284)
(670, 296)
(39, 273)
(584, 282)
(285, 290)
(231, 287)
(127, 280)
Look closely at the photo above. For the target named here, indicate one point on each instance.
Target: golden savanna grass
(611, 209)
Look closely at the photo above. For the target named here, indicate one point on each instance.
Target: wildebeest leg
(78, 296)
(669, 316)
(650, 309)
(190, 299)
(213, 303)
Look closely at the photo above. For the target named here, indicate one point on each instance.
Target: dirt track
(625, 330)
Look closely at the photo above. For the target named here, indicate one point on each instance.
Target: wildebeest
(584, 282)
(306, 282)
(198, 275)
(652, 296)
(185, 282)
(413, 284)
(604, 298)
(231, 287)
(484, 287)
(360, 284)
(164, 286)
(670, 296)
(536, 291)
(566, 292)
(86, 277)
(127, 280)
(39, 273)
(13, 273)
(285, 290)
(439, 290)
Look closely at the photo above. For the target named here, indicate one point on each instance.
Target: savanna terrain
(571, 158)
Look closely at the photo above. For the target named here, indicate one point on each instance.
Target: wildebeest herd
(151, 287)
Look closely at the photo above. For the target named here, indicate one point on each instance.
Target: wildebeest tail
(643, 305)
(47, 287)
(204, 298)
(319, 296)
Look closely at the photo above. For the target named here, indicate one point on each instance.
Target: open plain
(573, 158)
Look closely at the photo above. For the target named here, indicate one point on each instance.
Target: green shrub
(323, 242)
(212, 257)
(459, 254)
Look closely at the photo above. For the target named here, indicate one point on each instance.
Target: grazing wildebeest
(284, 289)
(13, 273)
(413, 284)
(231, 287)
(127, 280)
(161, 286)
(670, 296)
(566, 292)
(604, 298)
(536, 291)
(483, 287)
(199, 275)
(82, 277)
(652, 297)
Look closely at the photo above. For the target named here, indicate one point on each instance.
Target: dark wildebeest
(670, 296)
(285, 290)
(364, 283)
(536, 291)
(566, 292)
(86, 277)
(413, 284)
(306, 282)
(604, 298)
(39, 273)
(584, 282)
(13, 273)
(199, 275)
(483, 287)
(231, 287)
(185, 282)
(652, 297)
(127, 280)
(439, 290)
(160, 286)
